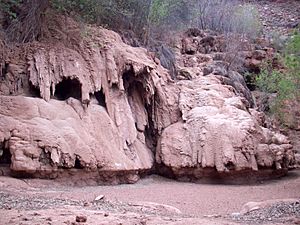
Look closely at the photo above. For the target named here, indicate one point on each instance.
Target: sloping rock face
(84, 103)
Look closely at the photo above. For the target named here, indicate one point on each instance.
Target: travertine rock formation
(108, 110)
(91, 112)
(219, 135)
(218, 132)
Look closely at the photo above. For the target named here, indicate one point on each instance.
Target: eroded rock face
(92, 111)
(218, 136)
(43, 138)
(111, 112)
(219, 133)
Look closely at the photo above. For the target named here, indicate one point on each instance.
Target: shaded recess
(230, 166)
(151, 133)
(78, 164)
(250, 82)
(134, 84)
(131, 83)
(45, 157)
(4, 69)
(5, 155)
(98, 98)
(34, 91)
(68, 88)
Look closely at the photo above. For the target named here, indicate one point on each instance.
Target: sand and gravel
(154, 200)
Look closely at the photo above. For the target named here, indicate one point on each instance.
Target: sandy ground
(190, 198)
(33, 201)
(202, 199)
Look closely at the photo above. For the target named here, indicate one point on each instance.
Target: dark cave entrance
(128, 80)
(151, 132)
(34, 91)
(230, 166)
(4, 69)
(68, 88)
(77, 164)
(135, 84)
(5, 155)
(98, 98)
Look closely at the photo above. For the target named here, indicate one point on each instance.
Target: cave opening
(99, 98)
(34, 91)
(151, 132)
(5, 155)
(230, 165)
(134, 85)
(78, 164)
(4, 69)
(68, 88)
(128, 76)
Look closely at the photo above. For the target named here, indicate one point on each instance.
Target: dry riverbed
(153, 200)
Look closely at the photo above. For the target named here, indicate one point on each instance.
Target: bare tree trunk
(147, 29)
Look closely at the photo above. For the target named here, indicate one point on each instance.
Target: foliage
(153, 20)
(286, 84)
(225, 16)
(89, 10)
(246, 21)
(158, 11)
(154, 17)
(99, 11)
(168, 12)
(136, 15)
(268, 80)
(277, 40)
(23, 19)
(8, 8)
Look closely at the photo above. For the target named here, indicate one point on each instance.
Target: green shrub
(268, 80)
(285, 83)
